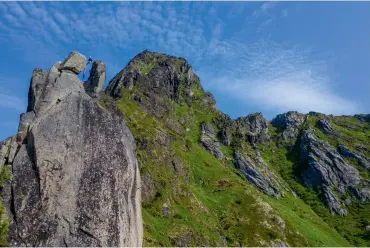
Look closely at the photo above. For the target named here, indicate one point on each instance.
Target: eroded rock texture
(257, 172)
(75, 178)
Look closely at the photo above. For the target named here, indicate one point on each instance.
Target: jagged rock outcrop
(166, 75)
(95, 84)
(75, 63)
(258, 173)
(326, 168)
(154, 78)
(255, 126)
(75, 178)
(8, 148)
(363, 117)
(347, 153)
(325, 126)
(252, 128)
(333, 202)
(209, 141)
(290, 122)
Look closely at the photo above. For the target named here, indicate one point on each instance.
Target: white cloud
(262, 73)
(264, 8)
(279, 79)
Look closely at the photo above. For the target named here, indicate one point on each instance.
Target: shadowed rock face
(290, 122)
(209, 141)
(161, 75)
(75, 178)
(95, 83)
(327, 169)
(257, 173)
(252, 128)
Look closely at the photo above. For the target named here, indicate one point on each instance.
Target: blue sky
(267, 57)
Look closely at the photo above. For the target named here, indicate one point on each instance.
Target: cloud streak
(280, 79)
(263, 73)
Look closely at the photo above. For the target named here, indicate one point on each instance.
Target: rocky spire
(95, 83)
(75, 177)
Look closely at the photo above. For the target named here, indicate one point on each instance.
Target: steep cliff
(70, 177)
(74, 176)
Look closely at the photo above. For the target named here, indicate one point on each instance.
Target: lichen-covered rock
(325, 165)
(148, 190)
(159, 74)
(25, 120)
(174, 126)
(75, 178)
(252, 128)
(210, 100)
(55, 67)
(8, 149)
(347, 153)
(48, 88)
(290, 122)
(333, 202)
(363, 117)
(325, 126)
(255, 126)
(75, 63)
(326, 168)
(95, 83)
(209, 141)
(258, 174)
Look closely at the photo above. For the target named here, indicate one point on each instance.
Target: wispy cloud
(263, 72)
(279, 79)
(264, 8)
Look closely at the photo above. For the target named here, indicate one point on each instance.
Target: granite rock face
(162, 76)
(325, 126)
(75, 177)
(252, 128)
(290, 122)
(156, 78)
(209, 140)
(257, 172)
(326, 169)
(347, 153)
(95, 83)
(75, 63)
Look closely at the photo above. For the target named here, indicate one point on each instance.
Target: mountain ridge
(210, 180)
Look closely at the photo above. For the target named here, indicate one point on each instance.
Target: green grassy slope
(212, 204)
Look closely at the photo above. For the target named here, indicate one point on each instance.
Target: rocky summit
(151, 161)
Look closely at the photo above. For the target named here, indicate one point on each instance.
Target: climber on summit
(88, 62)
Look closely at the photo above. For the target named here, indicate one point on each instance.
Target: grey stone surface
(75, 63)
(333, 202)
(159, 78)
(255, 126)
(325, 165)
(258, 174)
(25, 121)
(209, 141)
(362, 160)
(55, 68)
(75, 179)
(290, 122)
(325, 126)
(326, 168)
(148, 190)
(252, 128)
(4, 151)
(95, 83)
